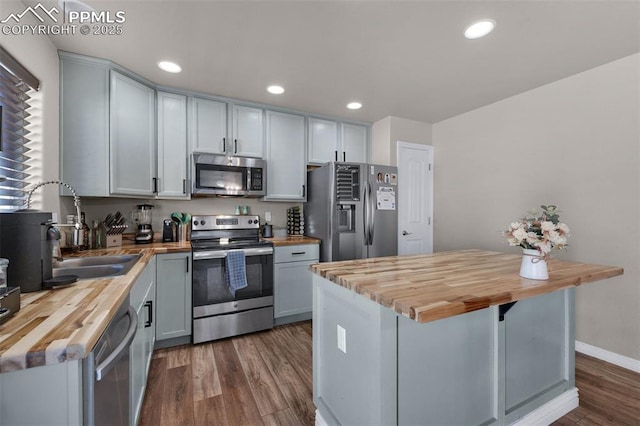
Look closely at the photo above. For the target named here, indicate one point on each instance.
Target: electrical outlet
(54, 217)
(342, 339)
(267, 216)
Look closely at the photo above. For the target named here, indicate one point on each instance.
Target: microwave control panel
(256, 179)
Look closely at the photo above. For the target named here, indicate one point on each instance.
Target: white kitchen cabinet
(142, 300)
(208, 126)
(354, 138)
(172, 146)
(286, 171)
(335, 141)
(293, 287)
(173, 295)
(132, 137)
(323, 140)
(84, 125)
(248, 132)
(55, 391)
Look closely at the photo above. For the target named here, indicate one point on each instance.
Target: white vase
(533, 265)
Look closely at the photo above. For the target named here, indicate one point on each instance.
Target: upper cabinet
(248, 132)
(133, 137)
(208, 126)
(354, 139)
(286, 171)
(172, 146)
(335, 141)
(323, 140)
(84, 126)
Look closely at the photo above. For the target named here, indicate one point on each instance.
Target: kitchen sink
(95, 266)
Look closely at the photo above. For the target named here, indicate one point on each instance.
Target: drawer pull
(298, 252)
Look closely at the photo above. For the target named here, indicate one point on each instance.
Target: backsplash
(98, 208)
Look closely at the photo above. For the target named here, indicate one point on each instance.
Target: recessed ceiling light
(169, 66)
(275, 90)
(354, 105)
(480, 29)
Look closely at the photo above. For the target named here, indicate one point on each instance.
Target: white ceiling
(406, 59)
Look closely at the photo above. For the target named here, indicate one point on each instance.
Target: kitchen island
(451, 338)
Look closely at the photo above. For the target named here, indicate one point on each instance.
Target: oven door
(211, 295)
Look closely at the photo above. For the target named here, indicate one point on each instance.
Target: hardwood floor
(265, 379)
(255, 379)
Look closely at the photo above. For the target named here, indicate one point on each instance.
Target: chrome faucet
(55, 235)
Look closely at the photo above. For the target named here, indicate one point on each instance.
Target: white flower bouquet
(542, 232)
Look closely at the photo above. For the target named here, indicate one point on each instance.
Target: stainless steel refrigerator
(352, 208)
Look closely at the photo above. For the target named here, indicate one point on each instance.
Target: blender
(142, 216)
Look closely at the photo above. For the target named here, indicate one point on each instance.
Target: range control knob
(202, 222)
(195, 223)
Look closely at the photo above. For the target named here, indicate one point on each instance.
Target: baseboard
(608, 356)
(551, 411)
(320, 421)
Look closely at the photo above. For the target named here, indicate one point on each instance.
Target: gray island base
(501, 365)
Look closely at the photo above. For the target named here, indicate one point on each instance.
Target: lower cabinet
(173, 295)
(143, 296)
(293, 288)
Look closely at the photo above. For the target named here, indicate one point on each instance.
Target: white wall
(40, 57)
(574, 143)
(387, 132)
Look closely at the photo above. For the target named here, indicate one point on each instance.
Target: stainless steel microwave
(214, 174)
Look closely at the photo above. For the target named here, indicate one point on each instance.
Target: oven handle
(221, 254)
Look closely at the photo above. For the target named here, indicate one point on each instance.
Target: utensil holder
(182, 232)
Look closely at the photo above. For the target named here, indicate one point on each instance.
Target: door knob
(406, 233)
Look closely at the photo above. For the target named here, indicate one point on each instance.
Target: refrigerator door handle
(372, 216)
(365, 213)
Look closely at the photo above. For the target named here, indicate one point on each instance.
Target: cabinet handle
(149, 305)
(187, 259)
(344, 157)
(184, 186)
(235, 146)
(155, 185)
(304, 190)
(336, 155)
(224, 144)
(295, 253)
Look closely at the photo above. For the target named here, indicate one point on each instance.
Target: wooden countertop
(291, 240)
(55, 326)
(440, 285)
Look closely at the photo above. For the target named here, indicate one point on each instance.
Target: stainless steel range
(217, 313)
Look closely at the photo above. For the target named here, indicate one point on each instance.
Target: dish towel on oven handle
(236, 271)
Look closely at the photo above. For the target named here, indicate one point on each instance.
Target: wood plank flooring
(265, 379)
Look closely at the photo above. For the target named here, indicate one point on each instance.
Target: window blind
(15, 93)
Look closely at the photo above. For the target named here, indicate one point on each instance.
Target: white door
(415, 206)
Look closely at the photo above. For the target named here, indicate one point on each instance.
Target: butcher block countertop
(55, 326)
(440, 285)
(292, 240)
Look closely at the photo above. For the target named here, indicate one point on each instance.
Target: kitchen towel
(236, 271)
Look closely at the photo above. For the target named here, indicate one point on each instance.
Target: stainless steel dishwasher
(106, 371)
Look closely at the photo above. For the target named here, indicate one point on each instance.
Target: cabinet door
(84, 126)
(248, 132)
(172, 146)
(142, 346)
(173, 295)
(133, 137)
(293, 288)
(323, 141)
(208, 126)
(354, 143)
(286, 170)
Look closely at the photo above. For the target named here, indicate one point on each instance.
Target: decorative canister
(533, 265)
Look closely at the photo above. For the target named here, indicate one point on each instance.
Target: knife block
(114, 240)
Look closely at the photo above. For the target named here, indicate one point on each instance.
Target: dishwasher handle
(106, 365)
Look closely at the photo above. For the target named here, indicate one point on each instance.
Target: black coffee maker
(24, 241)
